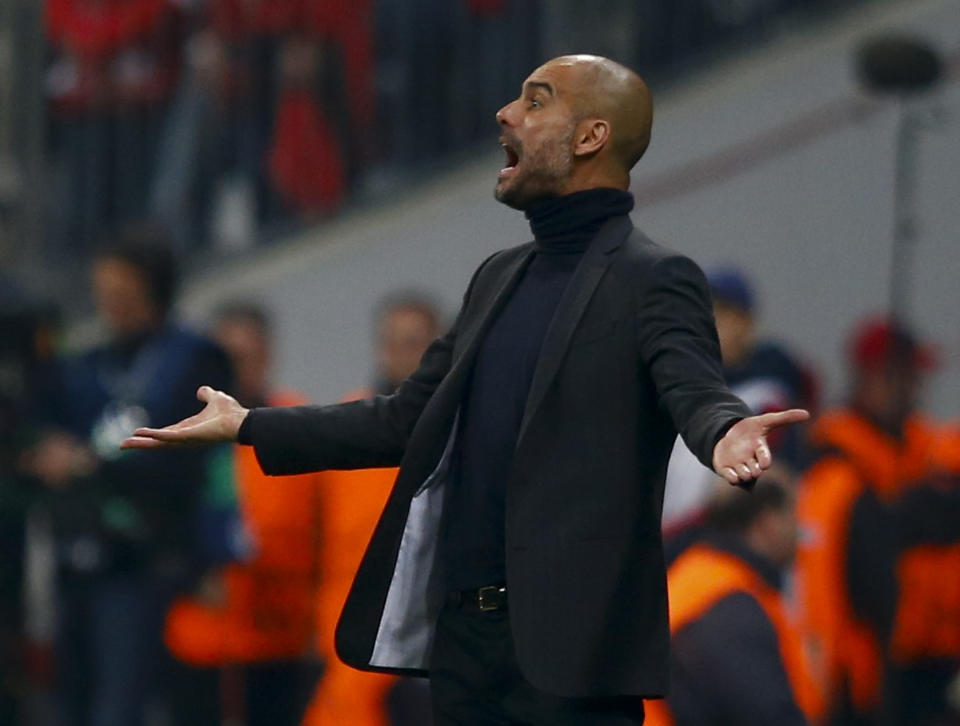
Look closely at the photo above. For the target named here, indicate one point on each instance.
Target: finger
(744, 471)
(170, 434)
(754, 467)
(783, 418)
(143, 442)
(764, 458)
(730, 475)
(205, 393)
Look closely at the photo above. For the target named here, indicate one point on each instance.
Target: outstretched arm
(743, 453)
(682, 353)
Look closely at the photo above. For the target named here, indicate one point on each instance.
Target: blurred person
(26, 351)
(252, 622)
(350, 503)
(113, 67)
(876, 571)
(126, 527)
(737, 657)
(518, 560)
(762, 373)
(260, 126)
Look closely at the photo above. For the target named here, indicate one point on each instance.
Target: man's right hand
(218, 422)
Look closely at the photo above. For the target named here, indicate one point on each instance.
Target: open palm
(218, 422)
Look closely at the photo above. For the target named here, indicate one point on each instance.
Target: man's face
(249, 350)
(402, 338)
(889, 393)
(735, 331)
(536, 131)
(122, 296)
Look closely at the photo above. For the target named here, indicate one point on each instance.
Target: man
(762, 374)
(881, 540)
(350, 503)
(736, 656)
(535, 593)
(125, 523)
(254, 618)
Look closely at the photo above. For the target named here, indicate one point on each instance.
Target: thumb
(205, 393)
(783, 418)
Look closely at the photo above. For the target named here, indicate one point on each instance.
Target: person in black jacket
(130, 528)
(518, 561)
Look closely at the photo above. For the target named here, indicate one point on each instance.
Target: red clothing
(112, 51)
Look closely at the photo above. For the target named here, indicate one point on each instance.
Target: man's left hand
(743, 453)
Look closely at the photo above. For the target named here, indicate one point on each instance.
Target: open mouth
(513, 158)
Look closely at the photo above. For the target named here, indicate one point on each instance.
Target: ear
(591, 136)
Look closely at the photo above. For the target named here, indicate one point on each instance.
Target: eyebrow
(530, 86)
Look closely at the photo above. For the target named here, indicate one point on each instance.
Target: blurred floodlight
(898, 64)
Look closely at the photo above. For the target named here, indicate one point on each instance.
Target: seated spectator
(737, 658)
(880, 512)
(114, 65)
(255, 618)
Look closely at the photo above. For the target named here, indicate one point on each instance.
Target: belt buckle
(488, 591)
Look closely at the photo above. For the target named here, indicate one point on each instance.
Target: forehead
(560, 76)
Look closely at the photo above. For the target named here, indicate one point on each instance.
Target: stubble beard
(546, 168)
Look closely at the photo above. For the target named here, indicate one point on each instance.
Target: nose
(502, 114)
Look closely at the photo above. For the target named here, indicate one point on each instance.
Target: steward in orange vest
(259, 615)
(878, 570)
(246, 638)
(351, 504)
(737, 658)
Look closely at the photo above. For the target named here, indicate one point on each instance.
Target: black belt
(484, 599)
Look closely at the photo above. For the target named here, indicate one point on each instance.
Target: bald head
(581, 122)
(603, 89)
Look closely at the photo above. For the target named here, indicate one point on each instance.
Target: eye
(534, 103)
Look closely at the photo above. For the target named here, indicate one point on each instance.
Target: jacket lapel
(573, 303)
(474, 327)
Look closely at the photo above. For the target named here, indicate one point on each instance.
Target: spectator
(736, 656)
(114, 65)
(260, 125)
(25, 355)
(881, 541)
(351, 503)
(125, 525)
(763, 374)
(255, 618)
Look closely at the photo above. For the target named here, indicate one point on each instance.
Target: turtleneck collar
(567, 224)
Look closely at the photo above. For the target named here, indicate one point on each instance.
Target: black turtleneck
(496, 394)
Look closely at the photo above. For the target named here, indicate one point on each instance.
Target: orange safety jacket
(350, 504)
(698, 580)
(864, 459)
(265, 610)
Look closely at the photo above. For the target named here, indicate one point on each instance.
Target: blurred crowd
(185, 588)
(228, 122)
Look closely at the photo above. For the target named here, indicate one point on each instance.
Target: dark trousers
(475, 681)
(265, 693)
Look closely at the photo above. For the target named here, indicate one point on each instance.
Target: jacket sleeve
(727, 669)
(680, 348)
(354, 435)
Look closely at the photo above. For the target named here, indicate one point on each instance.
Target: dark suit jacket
(631, 357)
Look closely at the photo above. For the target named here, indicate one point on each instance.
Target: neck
(568, 223)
